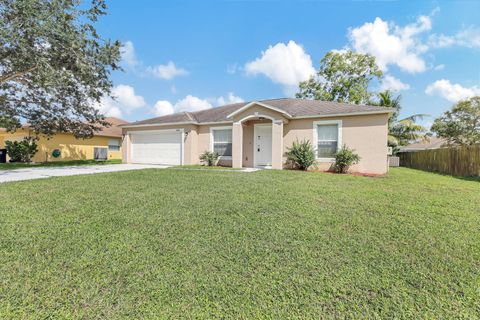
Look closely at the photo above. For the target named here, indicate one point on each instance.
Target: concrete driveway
(46, 172)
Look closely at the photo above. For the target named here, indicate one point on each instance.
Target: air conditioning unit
(389, 151)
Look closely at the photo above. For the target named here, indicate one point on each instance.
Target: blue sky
(192, 55)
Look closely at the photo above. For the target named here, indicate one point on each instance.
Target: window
(113, 145)
(328, 136)
(222, 141)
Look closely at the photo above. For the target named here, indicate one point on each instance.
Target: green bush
(21, 151)
(209, 158)
(301, 155)
(345, 158)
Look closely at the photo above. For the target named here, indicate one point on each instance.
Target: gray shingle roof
(297, 108)
(431, 143)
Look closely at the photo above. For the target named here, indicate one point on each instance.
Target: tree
(386, 99)
(53, 65)
(404, 131)
(21, 151)
(461, 125)
(343, 76)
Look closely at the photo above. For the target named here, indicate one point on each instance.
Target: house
(431, 143)
(258, 134)
(105, 144)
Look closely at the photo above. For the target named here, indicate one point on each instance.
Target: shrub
(209, 158)
(21, 151)
(345, 158)
(301, 154)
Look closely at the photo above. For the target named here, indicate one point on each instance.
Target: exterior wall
(70, 147)
(191, 140)
(367, 134)
(248, 141)
(17, 135)
(125, 148)
(237, 145)
(204, 142)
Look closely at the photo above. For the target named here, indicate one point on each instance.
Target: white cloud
(469, 37)
(440, 41)
(229, 99)
(163, 108)
(452, 92)
(166, 71)
(392, 44)
(192, 103)
(439, 67)
(108, 108)
(286, 64)
(391, 83)
(125, 101)
(125, 95)
(127, 52)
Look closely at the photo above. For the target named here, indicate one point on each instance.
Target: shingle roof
(431, 143)
(114, 130)
(297, 108)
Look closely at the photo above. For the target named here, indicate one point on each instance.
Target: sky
(192, 55)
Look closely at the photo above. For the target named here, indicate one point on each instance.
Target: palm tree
(404, 131)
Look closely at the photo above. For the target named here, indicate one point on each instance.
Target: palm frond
(415, 117)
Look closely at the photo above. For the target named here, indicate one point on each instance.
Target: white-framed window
(221, 141)
(327, 138)
(113, 145)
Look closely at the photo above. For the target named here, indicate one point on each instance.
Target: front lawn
(17, 165)
(213, 244)
(199, 166)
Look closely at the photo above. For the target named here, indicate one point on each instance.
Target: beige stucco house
(258, 134)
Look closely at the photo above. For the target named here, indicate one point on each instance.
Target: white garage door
(157, 147)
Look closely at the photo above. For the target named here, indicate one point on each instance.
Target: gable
(258, 113)
(260, 108)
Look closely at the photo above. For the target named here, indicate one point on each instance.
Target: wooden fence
(457, 161)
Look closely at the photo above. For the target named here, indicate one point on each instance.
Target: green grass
(211, 244)
(16, 165)
(198, 166)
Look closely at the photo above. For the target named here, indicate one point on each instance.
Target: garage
(157, 147)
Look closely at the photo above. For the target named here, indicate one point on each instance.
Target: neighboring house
(259, 133)
(105, 144)
(431, 143)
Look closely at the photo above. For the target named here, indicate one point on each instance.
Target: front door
(263, 145)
